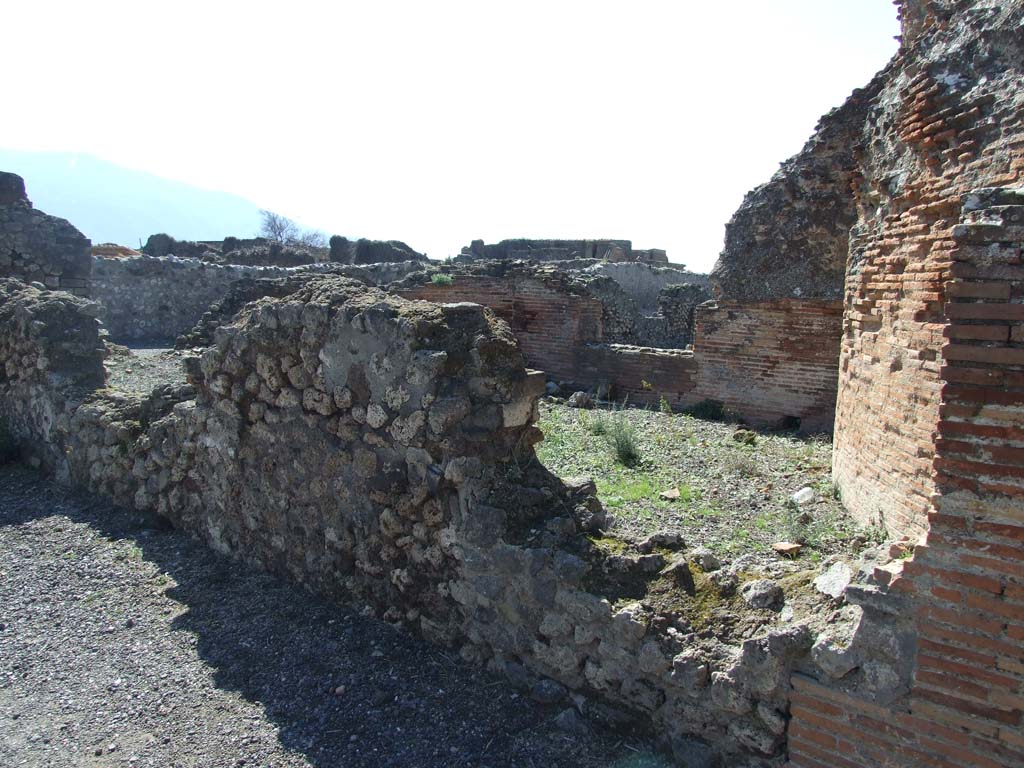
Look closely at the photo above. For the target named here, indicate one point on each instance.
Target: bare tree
(281, 229)
(312, 238)
(278, 228)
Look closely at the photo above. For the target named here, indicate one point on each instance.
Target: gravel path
(139, 369)
(123, 643)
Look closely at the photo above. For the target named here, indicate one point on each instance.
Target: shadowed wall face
(38, 248)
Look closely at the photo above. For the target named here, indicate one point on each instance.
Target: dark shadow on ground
(405, 703)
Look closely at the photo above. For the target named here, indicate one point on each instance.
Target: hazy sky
(439, 122)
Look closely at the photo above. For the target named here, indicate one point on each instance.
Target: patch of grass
(733, 497)
(793, 528)
(440, 278)
(741, 463)
(621, 490)
(597, 422)
(609, 544)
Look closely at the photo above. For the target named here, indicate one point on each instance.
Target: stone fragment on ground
(761, 593)
(835, 580)
(787, 548)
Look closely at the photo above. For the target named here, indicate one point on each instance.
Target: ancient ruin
(364, 422)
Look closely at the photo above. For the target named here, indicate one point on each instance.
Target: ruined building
(369, 431)
(35, 247)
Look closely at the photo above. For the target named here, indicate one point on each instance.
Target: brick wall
(643, 375)
(965, 586)
(766, 361)
(888, 402)
(552, 325)
(770, 360)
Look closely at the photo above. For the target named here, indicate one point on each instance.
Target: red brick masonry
(765, 361)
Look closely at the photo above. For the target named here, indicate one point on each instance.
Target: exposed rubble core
(789, 238)
(38, 248)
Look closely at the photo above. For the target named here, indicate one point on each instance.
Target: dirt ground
(733, 496)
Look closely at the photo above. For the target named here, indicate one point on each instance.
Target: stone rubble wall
(52, 355)
(645, 284)
(380, 451)
(553, 250)
(35, 247)
(151, 298)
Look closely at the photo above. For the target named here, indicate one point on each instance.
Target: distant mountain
(113, 204)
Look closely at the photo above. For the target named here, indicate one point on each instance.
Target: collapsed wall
(35, 247)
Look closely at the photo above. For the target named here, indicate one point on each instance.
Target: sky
(441, 122)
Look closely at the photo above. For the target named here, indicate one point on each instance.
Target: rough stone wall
(379, 451)
(157, 299)
(789, 237)
(35, 247)
(644, 283)
(52, 354)
(677, 306)
(363, 251)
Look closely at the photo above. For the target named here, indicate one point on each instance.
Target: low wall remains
(380, 451)
(150, 298)
(751, 359)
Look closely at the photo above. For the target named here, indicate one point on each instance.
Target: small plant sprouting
(623, 438)
(440, 278)
(663, 405)
(795, 527)
(597, 423)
